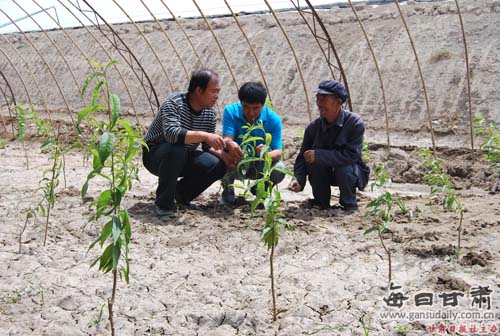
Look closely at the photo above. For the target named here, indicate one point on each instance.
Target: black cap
(332, 87)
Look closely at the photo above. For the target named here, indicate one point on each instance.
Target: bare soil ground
(207, 271)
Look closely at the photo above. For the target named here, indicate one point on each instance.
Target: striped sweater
(175, 118)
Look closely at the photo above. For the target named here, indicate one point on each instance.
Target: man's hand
(295, 186)
(229, 160)
(234, 150)
(258, 149)
(214, 140)
(310, 156)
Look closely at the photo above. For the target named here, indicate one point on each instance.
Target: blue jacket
(233, 121)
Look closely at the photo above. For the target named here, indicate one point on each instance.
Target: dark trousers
(170, 161)
(322, 178)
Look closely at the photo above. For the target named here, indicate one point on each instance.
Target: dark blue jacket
(334, 145)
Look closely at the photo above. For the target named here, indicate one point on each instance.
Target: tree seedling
(50, 180)
(381, 209)
(266, 195)
(441, 187)
(113, 144)
(491, 144)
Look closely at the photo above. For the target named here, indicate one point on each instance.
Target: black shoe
(181, 203)
(312, 203)
(348, 208)
(165, 213)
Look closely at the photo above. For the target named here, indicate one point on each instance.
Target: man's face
(209, 97)
(328, 106)
(251, 111)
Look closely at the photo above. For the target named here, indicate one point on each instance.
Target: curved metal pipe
(55, 46)
(18, 75)
(149, 44)
(168, 39)
(421, 76)
(469, 99)
(103, 49)
(152, 96)
(31, 73)
(13, 101)
(184, 32)
(251, 49)
(294, 56)
(378, 73)
(313, 32)
(218, 44)
(46, 64)
(331, 45)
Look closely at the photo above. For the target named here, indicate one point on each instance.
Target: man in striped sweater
(185, 120)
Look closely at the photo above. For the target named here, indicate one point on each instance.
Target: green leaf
(110, 63)
(93, 244)
(117, 228)
(97, 164)
(130, 135)
(106, 142)
(89, 79)
(94, 64)
(97, 88)
(115, 110)
(83, 114)
(103, 202)
(269, 139)
(373, 228)
(126, 225)
(106, 259)
(116, 254)
(105, 232)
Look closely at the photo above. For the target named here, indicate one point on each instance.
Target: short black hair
(252, 92)
(201, 78)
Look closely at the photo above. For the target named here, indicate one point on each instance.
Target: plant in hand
(266, 194)
(441, 187)
(113, 144)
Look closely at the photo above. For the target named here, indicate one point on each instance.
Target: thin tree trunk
(460, 229)
(111, 303)
(271, 257)
(386, 251)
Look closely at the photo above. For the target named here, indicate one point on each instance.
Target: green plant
(365, 152)
(50, 179)
(2, 143)
(491, 140)
(98, 320)
(366, 330)
(381, 209)
(269, 104)
(441, 187)
(113, 144)
(41, 292)
(10, 297)
(21, 116)
(440, 55)
(403, 330)
(266, 195)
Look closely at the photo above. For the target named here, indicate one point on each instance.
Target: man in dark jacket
(331, 151)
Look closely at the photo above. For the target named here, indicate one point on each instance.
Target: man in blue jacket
(250, 110)
(330, 154)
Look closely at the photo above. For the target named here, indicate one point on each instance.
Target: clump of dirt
(472, 258)
(446, 282)
(434, 250)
